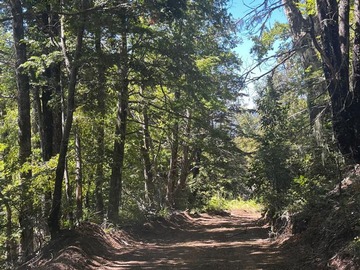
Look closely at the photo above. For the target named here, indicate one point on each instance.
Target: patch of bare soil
(231, 241)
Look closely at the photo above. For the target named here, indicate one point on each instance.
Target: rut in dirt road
(235, 241)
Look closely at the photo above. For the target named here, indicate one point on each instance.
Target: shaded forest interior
(120, 112)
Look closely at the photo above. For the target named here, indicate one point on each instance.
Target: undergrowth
(219, 203)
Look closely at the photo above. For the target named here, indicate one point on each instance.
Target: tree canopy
(115, 111)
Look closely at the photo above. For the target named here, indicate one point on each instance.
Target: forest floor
(235, 240)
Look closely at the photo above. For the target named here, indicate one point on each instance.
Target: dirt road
(233, 241)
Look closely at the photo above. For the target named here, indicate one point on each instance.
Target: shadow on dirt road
(229, 242)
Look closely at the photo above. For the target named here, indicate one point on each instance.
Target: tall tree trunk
(23, 87)
(356, 53)
(145, 154)
(355, 105)
(57, 108)
(173, 170)
(185, 164)
(47, 125)
(36, 126)
(68, 196)
(47, 98)
(50, 92)
(120, 130)
(51, 121)
(197, 162)
(334, 39)
(78, 178)
(100, 133)
(54, 217)
(301, 30)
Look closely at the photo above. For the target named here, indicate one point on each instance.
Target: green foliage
(38, 64)
(267, 42)
(284, 168)
(220, 203)
(241, 204)
(216, 203)
(307, 8)
(173, 78)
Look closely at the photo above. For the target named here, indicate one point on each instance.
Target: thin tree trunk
(24, 122)
(185, 166)
(78, 178)
(145, 153)
(36, 126)
(173, 170)
(57, 108)
(48, 107)
(47, 125)
(54, 217)
(197, 161)
(49, 110)
(120, 131)
(100, 144)
(69, 196)
(344, 37)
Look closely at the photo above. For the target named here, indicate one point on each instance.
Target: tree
(23, 96)
(302, 33)
(334, 48)
(72, 67)
(121, 123)
(100, 140)
(167, 87)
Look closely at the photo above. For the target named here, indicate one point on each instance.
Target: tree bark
(172, 177)
(335, 40)
(78, 178)
(355, 104)
(68, 196)
(197, 162)
(301, 29)
(356, 53)
(54, 217)
(50, 110)
(185, 166)
(145, 153)
(99, 172)
(120, 130)
(185, 163)
(24, 122)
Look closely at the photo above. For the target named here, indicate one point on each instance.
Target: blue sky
(239, 8)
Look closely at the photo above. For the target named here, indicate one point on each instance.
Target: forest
(116, 111)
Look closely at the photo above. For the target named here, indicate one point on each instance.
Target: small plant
(164, 212)
(219, 203)
(216, 203)
(241, 204)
